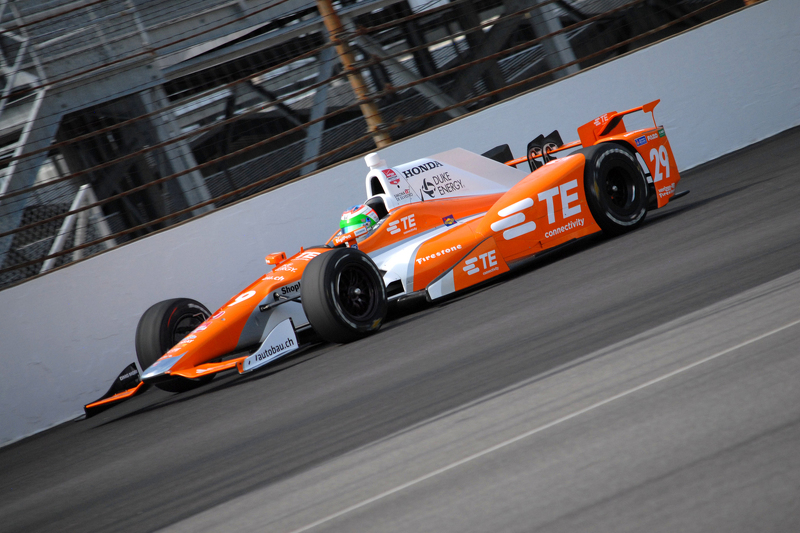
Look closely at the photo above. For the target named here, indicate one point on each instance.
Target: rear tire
(343, 295)
(616, 189)
(161, 327)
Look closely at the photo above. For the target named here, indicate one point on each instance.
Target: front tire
(343, 295)
(616, 189)
(161, 327)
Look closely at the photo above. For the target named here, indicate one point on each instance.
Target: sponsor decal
(512, 222)
(218, 314)
(666, 191)
(191, 337)
(487, 260)
(449, 220)
(288, 267)
(130, 374)
(395, 181)
(428, 188)
(602, 119)
(440, 253)
(201, 327)
(408, 223)
(661, 132)
(389, 173)
(403, 195)
(307, 256)
(562, 192)
(419, 169)
(565, 228)
(641, 141)
(290, 290)
(339, 239)
(653, 136)
(273, 277)
(441, 184)
(281, 340)
(273, 349)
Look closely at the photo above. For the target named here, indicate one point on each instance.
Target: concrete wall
(65, 336)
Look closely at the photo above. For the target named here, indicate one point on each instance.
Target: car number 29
(661, 158)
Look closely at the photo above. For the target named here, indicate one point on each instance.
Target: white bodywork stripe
(516, 207)
(443, 286)
(399, 257)
(519, 230)
(506, 223)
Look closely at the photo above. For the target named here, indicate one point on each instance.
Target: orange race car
(430, 227)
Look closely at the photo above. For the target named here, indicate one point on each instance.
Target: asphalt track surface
(649, 382)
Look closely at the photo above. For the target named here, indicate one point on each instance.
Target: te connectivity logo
(512, 222)
(487, 260)
(409, 225)
(307, 256)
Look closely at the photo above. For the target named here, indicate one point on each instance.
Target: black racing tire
(343, 295)
(161, 327)
(616, 189)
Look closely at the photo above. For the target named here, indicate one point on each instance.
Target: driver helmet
(356, 217)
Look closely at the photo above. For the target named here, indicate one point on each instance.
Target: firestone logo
(440, 253)
(666, 191)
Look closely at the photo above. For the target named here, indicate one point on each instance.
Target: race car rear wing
(611, 124)
(592, 132)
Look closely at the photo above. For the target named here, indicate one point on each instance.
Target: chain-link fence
(118, 119)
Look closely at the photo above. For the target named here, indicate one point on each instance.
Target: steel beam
(21, 173)
(427, 89)
(179, 155)
(314, 131)
(468, 19)
(545, 20)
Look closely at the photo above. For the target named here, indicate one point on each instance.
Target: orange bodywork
(440, 245)
(124, 395)
(489, 233)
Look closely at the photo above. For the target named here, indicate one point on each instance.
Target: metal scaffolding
(118, 118)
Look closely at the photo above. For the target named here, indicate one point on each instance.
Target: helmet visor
(353, 223)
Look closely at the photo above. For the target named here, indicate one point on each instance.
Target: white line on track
(527, 434)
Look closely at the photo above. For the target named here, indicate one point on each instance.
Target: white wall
(65, 336)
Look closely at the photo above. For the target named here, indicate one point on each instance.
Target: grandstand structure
(121, 117)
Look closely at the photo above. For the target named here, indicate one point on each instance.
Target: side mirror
(276, 258)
